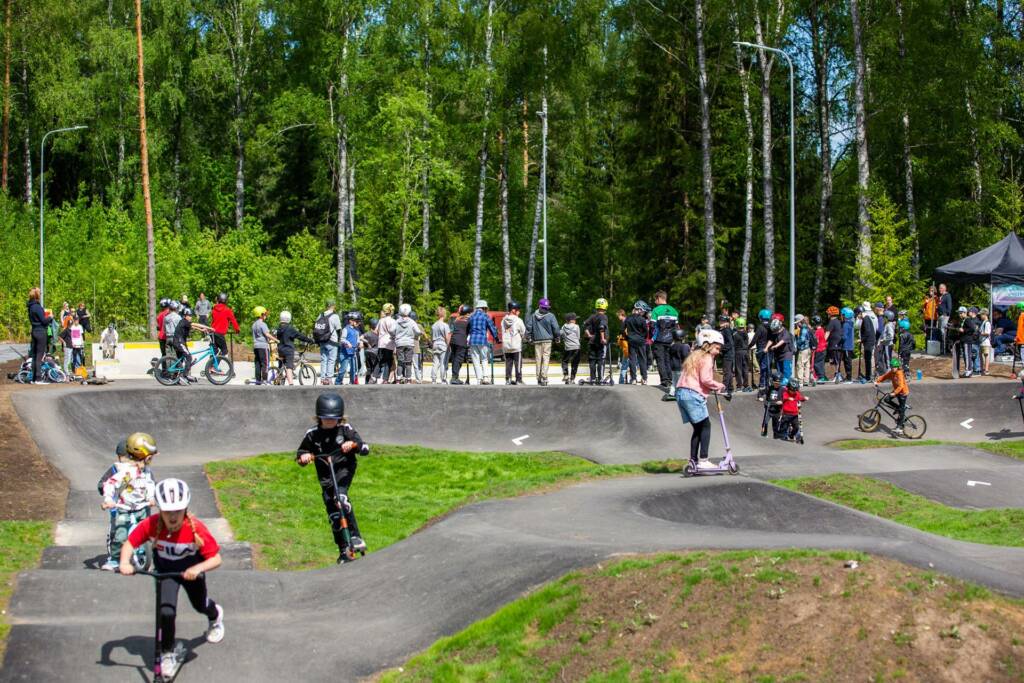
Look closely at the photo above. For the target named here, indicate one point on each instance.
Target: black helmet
(222, 298)
(513, 305)
(815, 319)
(889, 315)
(776, 377)
(412, 315)
(373, 322)
(793, 384)
(464, 309)
(186, 311)
(330, 406)
(355, 315)
(678, 334)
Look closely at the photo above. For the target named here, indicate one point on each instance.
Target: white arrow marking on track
(966, 424)
(519, 441)
(977, 483)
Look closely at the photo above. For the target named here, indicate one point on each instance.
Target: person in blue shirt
(348, 349)
(480, 324)
(848, 344)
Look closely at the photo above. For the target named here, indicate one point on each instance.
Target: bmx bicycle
(219, 369)
(51, 371)
(305, 371)
(870, 420)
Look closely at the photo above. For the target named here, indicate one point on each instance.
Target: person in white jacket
(513, 330)
(108, 342)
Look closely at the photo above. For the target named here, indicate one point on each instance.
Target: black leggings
(387, 360)
(661, 355)
(458, 358)
(700, 441)
(371, 365)
(221, 344)
(513, 367)
(570, 363)
(196, 591)
(344, 477)
(637, 358)
(37, 351)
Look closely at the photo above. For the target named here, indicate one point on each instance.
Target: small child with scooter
(128, 490)
(772, 405)
(791, 424)
(183, 551)
(333, 445)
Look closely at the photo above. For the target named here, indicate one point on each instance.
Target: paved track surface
(343, 623)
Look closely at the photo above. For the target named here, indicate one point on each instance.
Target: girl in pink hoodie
(696, 381)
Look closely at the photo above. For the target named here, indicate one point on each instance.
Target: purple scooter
(726, 465)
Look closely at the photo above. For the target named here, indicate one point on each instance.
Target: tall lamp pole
(792, 176)
(42, 198)
(544, 190)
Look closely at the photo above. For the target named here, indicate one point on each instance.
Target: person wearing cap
(407, 335)
(480, 325)
(542, 329)
(803, 339)
(728, 354)
(513, 331)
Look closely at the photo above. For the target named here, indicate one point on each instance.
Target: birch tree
(506, 257)
(820, 49)
(863, 167)
(7, 97)
(531, 266)
(705, 148)
(748, 198)
(144, 170)
(481, 192)
(908, 161)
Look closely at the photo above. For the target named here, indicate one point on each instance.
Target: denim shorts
(693, 406)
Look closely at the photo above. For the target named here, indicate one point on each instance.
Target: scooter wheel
(689, 470)
(734, 468)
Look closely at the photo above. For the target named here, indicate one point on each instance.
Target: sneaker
(456, 381)
(707, 465)
(897, 432)
(215, 633)
(111, 565)
(192, 380)
(967, 374)
(169, 665)
(343, 558)
(358, 544)
(849, 381)
(668, 397)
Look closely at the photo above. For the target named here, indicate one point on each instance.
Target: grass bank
(276, 505)
(1011, 449)
(21, 544)
(767, 616)
(994, 527)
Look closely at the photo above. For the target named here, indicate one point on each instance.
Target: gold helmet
(141, 446)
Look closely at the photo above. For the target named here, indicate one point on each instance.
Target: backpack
(322, 329)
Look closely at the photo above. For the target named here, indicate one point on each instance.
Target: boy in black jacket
(741, 349)
(334, 438)
(286, 335)
(677, 354)
(596, 329)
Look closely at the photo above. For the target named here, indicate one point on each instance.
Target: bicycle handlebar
(164, 575)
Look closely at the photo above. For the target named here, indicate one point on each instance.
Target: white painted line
(977, 483)
(519, 441)
(966, 424)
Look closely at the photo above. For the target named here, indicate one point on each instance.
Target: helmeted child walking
(286, 334)
(570, 334)
(741, 351)
(772, 405)
(789, 422)
(181, 543)
(128, 492)
(335, 439)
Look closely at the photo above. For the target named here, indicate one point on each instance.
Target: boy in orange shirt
(898, 398)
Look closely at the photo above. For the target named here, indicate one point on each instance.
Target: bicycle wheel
(307, 375)
(56, 375)
(167, 371)
(869, 420)
(24, 377)
(219, 370)
(914, 427)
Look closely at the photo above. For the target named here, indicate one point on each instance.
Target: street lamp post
(42, 198)
(544, 190)
(792, 176)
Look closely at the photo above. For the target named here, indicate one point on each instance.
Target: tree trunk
(176, 170)
(239, 158)
(863, 169)
(481, 192)
(748, 205)
(706, 179)
(121, 143)
(526, 143)
(7, 98)
(908, 161)
(976, 185)
(820, 48)
(506, 259)
(406, 210)
(26, 138)
(531, 267)
(342, 188)
(425, 181)
(766, 167)
(353, 277)
(144, 163)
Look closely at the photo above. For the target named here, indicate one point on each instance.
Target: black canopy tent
(1000, 266)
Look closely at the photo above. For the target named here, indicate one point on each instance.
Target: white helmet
(286, 317)
(710, 337)
(172, 494)
(404, 309)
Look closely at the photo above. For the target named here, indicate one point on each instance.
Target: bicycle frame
(884, 407)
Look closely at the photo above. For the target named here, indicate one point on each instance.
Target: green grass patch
(274, 504)
(994, 527)
(21, 544)
(1010, 448)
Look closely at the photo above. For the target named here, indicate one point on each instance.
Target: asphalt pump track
(72, 623)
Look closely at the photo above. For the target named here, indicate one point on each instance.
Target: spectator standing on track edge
(326, 333)
(39, 322)
(665, 319)
(202, 309)
(459, 342)
(542, 330)
(480, 324)
(223, 318)
(945, 312)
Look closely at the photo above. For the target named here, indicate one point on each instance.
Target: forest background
(392, 150)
